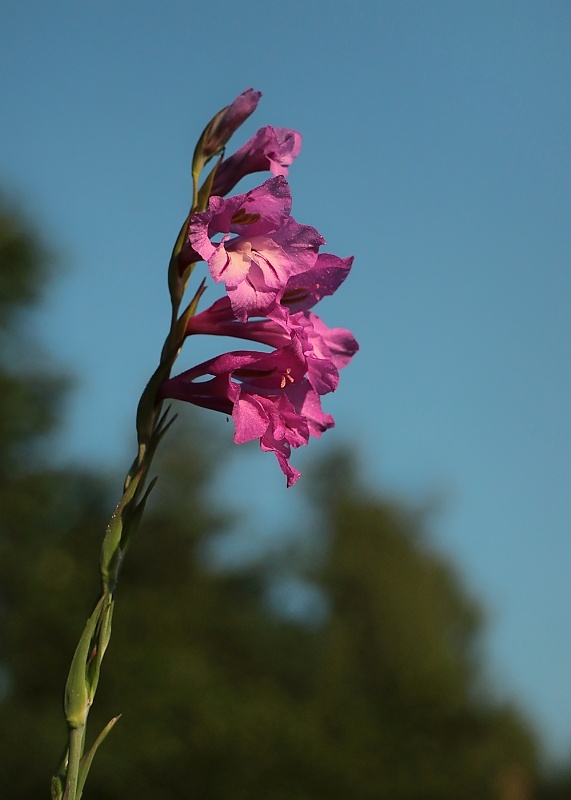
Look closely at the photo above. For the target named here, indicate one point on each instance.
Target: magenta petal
(262, 210)
(305, 289)
(268, 259)
(270, 148)
(307, 403)
(250, 421)
(292, 474)
(250, 298)
(337, 344)
(229, 266)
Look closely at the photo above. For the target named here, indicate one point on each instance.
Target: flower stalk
(272, 274)
(84, 674)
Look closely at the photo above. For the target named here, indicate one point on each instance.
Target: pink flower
(267, 394)
(325, 349)
(268, 246)
(270, 148)
(227, 122)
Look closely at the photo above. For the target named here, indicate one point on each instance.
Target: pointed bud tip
(228, 120)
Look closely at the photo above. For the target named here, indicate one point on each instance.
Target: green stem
(76, 742)
(84, 673)
(151, 425)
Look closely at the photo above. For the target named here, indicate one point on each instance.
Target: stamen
(285, 378)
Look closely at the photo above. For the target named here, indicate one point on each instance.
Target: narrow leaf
(87, 760)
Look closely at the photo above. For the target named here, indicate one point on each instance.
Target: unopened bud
(226, 122)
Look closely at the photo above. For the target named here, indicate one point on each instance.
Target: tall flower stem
(152, 423)
(268, 263)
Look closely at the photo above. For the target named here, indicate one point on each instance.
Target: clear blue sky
(437, 151)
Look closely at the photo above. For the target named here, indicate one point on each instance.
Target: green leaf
(87, 760)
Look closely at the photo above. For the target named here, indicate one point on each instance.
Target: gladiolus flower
(267, 394)
(326, 350)
(272, 149)
(268, 246)
(273, 274)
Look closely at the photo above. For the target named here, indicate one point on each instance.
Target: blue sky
(436, 150)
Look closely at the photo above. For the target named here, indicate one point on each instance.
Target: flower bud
(226, 122)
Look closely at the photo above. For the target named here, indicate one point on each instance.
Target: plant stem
(76, 741)
(151, 425)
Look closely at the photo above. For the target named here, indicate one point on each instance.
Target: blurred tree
(400, 688)
(221, 696)
(39, 508)
(28, 396)
(556, 784)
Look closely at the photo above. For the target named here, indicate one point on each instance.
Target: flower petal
(270, 148)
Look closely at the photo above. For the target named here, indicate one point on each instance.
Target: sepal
(76, 695)
(96, 657)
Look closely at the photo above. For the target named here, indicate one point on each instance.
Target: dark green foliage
(401, 688)
(29, 398)
(24, 263)
(556, 787)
